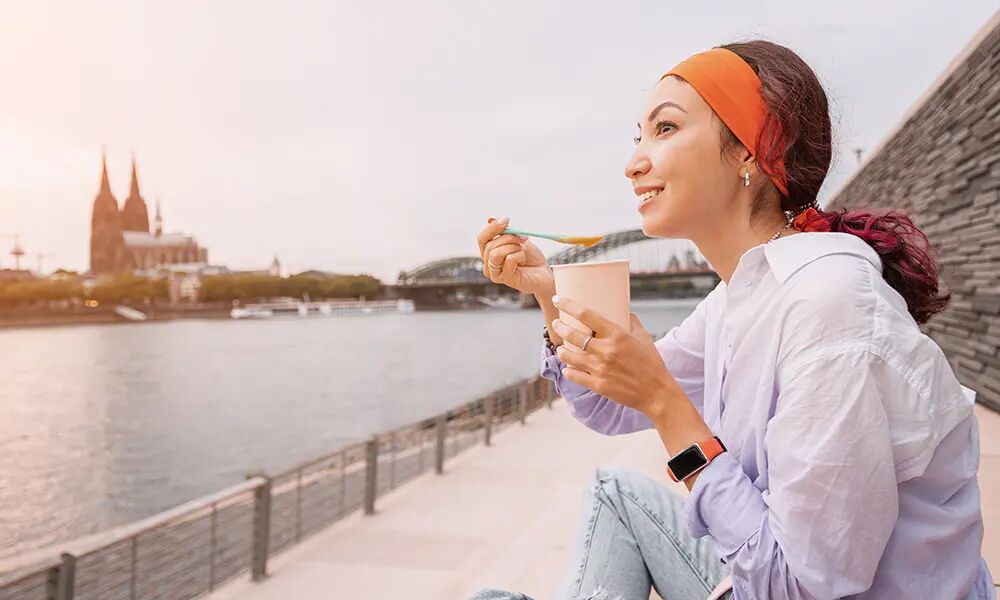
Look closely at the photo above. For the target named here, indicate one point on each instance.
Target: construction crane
(17, 252)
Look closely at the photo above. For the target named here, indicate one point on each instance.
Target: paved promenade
(501, 517)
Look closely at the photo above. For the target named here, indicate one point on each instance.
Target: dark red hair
(798, 109)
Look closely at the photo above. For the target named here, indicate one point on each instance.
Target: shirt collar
(789, 254)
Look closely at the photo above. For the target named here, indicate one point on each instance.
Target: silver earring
(746, 179)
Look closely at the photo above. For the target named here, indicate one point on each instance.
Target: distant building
(674, 265)
(275, 270)
(184, 280)
(691, 262)
(121, 241)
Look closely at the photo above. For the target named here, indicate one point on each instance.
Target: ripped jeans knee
(490, 594)
(599, 594)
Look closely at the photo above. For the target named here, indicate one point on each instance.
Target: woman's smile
(646, 196)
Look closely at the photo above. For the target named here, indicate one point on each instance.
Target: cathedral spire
(134, 190)
(159, 218)
(105, 183)
(107, 247)
(135, 216)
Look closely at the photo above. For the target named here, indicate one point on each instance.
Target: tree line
(219, 288)
(214, 288)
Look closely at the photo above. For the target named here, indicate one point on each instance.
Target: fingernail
(555, 299)
(523, 238)
(505, 220)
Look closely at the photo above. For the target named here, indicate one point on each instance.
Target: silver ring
(587, 341)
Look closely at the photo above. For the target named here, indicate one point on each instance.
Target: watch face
(686, 462)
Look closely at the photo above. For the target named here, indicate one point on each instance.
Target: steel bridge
(664, 268)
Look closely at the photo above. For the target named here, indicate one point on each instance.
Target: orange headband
(732, 89)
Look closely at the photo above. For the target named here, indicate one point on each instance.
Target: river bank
(48, 317)
(28, 318)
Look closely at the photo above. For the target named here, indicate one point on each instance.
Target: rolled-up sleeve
(590, 408)
(683, 353)
(820, 529)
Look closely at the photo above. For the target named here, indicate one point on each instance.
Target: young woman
(829, 449)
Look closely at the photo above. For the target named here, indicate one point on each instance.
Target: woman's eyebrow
(652, 113)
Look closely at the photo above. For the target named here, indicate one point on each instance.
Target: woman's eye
(659, 127)
(662, 125)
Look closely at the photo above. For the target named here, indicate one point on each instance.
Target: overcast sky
(373, 137)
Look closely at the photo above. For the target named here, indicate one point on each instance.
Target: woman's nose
(637, 166)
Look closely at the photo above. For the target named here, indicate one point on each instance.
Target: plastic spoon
(585, 241)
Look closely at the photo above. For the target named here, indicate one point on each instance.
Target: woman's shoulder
(841, 301)
(839, 317)
(832, 277)
(834, 292)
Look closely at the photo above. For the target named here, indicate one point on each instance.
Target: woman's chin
(658, 226)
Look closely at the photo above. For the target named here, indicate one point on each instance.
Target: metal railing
(190, 550)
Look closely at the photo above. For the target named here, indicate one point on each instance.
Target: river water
(101, 425)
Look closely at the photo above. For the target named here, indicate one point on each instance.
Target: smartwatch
(694, 458)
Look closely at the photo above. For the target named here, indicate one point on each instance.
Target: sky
(373, 137)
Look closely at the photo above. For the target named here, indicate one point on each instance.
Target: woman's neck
(724, 246)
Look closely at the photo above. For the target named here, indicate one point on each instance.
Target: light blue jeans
(632, 538)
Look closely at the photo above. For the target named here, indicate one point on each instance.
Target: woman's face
(678, 157)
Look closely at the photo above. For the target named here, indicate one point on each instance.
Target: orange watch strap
(712, 448)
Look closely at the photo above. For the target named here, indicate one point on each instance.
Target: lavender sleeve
(590, 408)
(683, 353)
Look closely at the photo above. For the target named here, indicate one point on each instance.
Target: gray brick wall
(942, 167)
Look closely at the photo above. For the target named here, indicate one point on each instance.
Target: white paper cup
(603, 287)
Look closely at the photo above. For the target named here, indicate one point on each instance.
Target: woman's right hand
(522, 265)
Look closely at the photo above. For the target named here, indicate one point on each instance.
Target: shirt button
(747, 283)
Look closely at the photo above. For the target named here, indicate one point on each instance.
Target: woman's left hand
(624, 366)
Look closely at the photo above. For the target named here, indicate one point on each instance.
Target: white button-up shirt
(853, 449)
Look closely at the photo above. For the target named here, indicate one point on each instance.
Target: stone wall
(942, 167)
